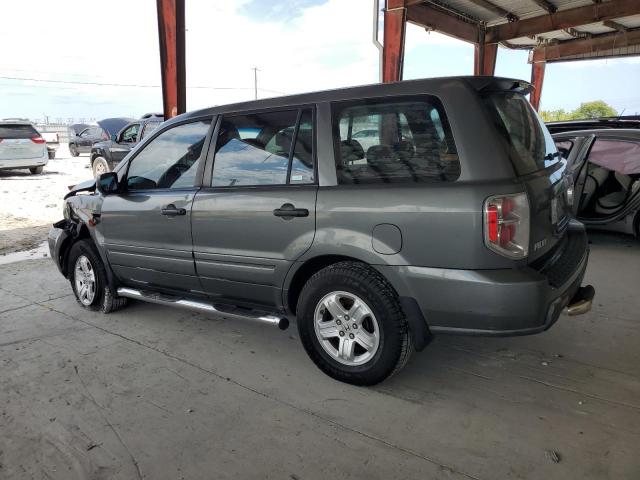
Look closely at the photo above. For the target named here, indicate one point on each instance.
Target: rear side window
(148, 128)
(273, 148)
(404, 140)
(17, 131)
(528, 141)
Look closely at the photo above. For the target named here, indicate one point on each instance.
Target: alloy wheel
(85, 280)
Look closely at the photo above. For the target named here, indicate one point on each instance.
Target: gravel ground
(29, 204)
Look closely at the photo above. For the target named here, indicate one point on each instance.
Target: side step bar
(152, 297)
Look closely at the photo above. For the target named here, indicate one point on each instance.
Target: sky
(297, 46)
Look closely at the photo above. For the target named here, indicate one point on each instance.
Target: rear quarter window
(403, 140)
(17, 131)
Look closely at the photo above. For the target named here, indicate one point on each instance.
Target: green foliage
(595, 109)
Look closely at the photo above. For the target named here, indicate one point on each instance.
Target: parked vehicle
(628, 121)
(605, 167)
(456, 222)
(53, 143)
(82, 141)
(107, 154)
(21, 146)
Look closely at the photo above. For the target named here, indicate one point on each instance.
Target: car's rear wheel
(352, 325)
(100, 166)
(73, 150)
(51, 154)
(36, 170)
(89, 281)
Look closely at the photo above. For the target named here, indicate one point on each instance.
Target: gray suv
(453, 217)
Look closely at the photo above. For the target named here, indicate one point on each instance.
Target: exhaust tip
(283, 323)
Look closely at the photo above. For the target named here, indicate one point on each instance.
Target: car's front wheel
(89, 281)
(51, 154)
(36, 170)
(100, 166)
(73, 150)
(352, 325)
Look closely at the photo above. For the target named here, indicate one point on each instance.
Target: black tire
(395, 344)
(73, 150)
(105, 300)
(36, 170)
(52, 154)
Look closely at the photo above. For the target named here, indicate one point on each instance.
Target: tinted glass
(407, 140)
(530, 144)
(171, 159)
(254, 149)
(130, 135)
(302, 162)
(17, 131)
(148, 128)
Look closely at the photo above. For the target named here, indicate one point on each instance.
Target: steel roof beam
(573, 17)
(433, 18)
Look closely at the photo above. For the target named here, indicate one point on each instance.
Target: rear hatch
(538, 166)
(20, 141)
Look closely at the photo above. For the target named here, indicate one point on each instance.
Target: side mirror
(107, 183)
(114, 137)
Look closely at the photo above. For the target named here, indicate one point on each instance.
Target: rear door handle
(288, 211)
(171, 210)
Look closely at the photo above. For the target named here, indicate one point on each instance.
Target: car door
(125, 141)
(257, 214)
(84, 141)
(147, 226)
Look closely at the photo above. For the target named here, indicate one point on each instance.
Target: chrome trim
(281, 322)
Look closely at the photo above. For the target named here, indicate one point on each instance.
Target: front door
(125, 141)
(257, 215)
(147, 228)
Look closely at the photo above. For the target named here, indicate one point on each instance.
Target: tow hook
(581, 301)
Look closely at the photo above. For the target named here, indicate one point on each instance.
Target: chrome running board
(152, 297)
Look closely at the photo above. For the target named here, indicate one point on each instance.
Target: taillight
(506, 224)
(38, 139)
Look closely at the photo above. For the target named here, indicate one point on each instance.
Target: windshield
(529, 142)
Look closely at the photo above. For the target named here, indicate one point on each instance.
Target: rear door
(257, 214)
(20, 141)
(147, 227)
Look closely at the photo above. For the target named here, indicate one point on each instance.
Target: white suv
(21, 146)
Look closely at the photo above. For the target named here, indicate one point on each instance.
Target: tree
(595, 109)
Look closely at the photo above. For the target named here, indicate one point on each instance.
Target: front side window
(171, 159)
(130, 135)
(399, 141)
(263, 149)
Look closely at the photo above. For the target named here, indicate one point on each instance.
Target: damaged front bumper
(57, 239)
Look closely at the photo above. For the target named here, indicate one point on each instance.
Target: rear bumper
(24, 162)
(496, 302)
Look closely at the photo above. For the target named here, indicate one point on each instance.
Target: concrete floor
(158, 393)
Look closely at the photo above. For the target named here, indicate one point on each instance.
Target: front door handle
(288, 211)
(171, 210)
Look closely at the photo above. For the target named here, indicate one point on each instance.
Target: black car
(82, 136)
(105, 155)
(628, 121)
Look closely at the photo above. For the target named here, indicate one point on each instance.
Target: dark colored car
(107, 154)
(83, 139)
(605, 167)
(628, 121)
(455, 221)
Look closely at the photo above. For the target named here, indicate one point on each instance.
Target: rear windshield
(528, 141)
(17, 131)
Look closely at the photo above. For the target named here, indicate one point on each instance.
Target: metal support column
(395, 16)
(537, 79)
(172, 56)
